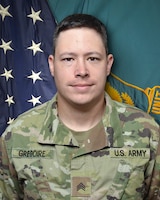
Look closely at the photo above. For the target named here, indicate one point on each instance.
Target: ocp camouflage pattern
(40, 158)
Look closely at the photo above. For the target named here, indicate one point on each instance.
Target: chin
(83, 102)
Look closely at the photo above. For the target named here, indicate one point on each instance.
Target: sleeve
(154, 179)
(9, 186)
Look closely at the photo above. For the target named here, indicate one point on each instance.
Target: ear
(51, 64)
(110, 60)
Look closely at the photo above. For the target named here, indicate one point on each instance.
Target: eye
(67, 59)
(93, 59)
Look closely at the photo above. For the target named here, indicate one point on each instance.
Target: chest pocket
(42, 175)
(128, 182)
(35, 182)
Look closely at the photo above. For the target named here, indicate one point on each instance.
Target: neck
(81, 117)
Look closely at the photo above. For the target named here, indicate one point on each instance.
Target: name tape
(34, 153)
(113, 152)
(130, 152)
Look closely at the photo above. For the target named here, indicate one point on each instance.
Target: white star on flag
(35, 15)
(4, 12)
(26, 34)
(35, 76)
(6, 46)
(7, 74)
(35, 47)
(35, 100)
(9, 100)
(10, 120)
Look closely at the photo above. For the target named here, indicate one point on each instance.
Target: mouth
(82, 87)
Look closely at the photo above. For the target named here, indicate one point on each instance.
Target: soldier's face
(80, 66)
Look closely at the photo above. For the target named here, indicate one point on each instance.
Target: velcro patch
(32, 153)
(81, 186)
(130, 152)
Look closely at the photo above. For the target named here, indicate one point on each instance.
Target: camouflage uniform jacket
(41, 159)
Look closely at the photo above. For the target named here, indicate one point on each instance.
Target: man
(81, 144)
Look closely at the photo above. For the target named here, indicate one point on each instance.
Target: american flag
(26, 32)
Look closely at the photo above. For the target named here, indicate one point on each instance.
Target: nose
(81, 69)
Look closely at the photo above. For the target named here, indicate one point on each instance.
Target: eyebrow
(86, 54)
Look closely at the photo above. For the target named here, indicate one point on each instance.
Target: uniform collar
(54, 132)
(112, 123)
